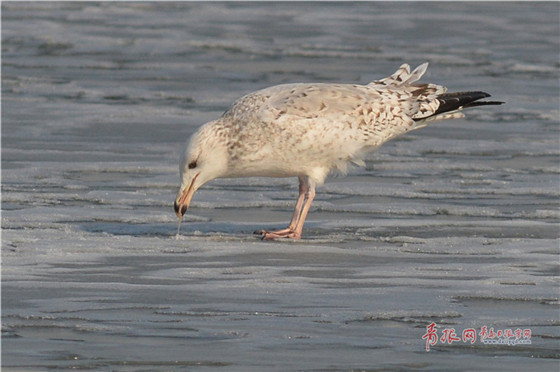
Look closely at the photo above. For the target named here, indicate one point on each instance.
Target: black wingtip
(483, 103)
(457, 100)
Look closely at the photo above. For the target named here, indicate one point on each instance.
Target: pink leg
(305, 198)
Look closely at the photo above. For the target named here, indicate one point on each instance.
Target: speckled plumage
(309, 130)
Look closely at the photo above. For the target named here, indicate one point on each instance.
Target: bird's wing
(395, 104)
(309, 101)
(399, 90)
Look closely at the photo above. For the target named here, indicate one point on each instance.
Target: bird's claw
(280, 234)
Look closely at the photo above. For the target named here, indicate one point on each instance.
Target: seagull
(308, 130)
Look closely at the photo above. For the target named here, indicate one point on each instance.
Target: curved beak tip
(180, 210)
(184, 199)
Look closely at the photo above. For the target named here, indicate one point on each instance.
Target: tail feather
(431, 102)
(403, 76)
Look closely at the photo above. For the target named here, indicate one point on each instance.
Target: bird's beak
(184, 198)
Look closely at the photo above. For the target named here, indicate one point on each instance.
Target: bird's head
(204, 159)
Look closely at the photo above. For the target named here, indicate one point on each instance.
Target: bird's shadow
(199, 229)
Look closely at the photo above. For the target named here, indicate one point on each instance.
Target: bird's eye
(192, 164)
